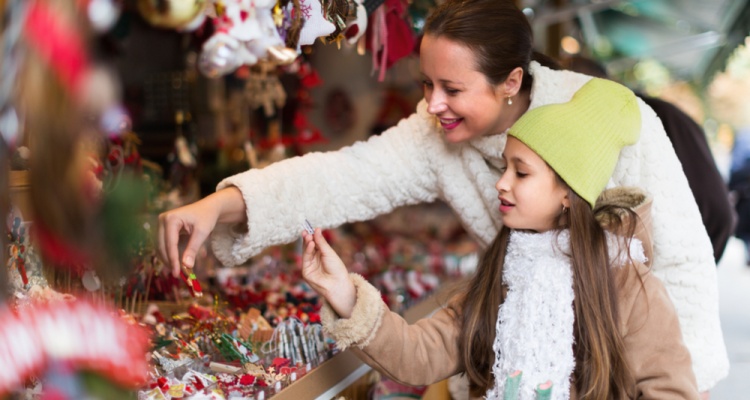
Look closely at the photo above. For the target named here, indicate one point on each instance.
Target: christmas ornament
(356, 24)
(171, 14)
(246, 34)
(220, 55)
(316, 25)
(103, 14)
(263, 89)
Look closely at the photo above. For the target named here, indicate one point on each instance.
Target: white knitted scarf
(534, 329)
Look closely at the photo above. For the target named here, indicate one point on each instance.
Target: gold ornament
(170, 14)
(278, 15)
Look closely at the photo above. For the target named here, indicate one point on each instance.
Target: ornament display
(246, 32)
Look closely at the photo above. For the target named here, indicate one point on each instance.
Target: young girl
(562, 294)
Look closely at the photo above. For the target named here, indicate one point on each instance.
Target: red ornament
(247, 380)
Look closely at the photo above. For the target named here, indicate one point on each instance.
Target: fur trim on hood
(637, 200)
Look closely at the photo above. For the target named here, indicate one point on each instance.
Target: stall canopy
(691, 38)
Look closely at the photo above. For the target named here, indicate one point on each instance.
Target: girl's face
(465, 103)
(531, 197)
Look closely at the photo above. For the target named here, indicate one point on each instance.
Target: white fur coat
(411, 163)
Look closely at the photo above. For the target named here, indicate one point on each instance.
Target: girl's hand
(326, 273)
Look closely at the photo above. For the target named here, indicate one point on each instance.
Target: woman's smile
(450, 123)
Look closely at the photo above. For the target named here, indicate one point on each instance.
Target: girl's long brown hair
(601, 370)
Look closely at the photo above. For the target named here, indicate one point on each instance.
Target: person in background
(480, 75)
(691, 146)
(739, 184)
(562, 294)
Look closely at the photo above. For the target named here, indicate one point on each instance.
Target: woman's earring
(510, 102)
(565, 209)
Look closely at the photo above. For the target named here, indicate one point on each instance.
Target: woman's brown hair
(495, 30)
(601, 370)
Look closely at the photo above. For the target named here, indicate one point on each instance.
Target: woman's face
(531, 197)
(465, 103)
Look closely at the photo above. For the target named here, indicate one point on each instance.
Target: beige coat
(427, 351)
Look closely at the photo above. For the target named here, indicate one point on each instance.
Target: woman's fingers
(172, 230)
(160, 236)
(197, 237)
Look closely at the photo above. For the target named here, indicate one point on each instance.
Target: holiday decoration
(102, 13)
(90, 337)
(171, 13)
(316, 25)
(246, 33)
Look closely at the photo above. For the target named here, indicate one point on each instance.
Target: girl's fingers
(323, 245)
(309, 249)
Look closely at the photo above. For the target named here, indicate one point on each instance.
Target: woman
(476, 86)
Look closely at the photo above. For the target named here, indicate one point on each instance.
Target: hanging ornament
(219, 56)
(246, 33)
(356, 24)
(292, 23)
(263, 89)
(115, 121)
(9, 125)
(315, 25)
(337, 12)
(170, 14)
(91, 281)
(281, 55)
(103, 14)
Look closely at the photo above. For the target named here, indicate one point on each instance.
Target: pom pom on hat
(581, 139)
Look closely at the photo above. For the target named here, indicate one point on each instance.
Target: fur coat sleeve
(353, 184)
(418, 354)
(683, 256)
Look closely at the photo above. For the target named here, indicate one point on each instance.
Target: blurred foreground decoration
(55, 345)
(71, 338)
(82, 214)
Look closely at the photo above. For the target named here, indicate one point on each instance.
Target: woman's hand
(197, 220)
(326, 273)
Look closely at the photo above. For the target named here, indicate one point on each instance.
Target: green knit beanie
(581, 139)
